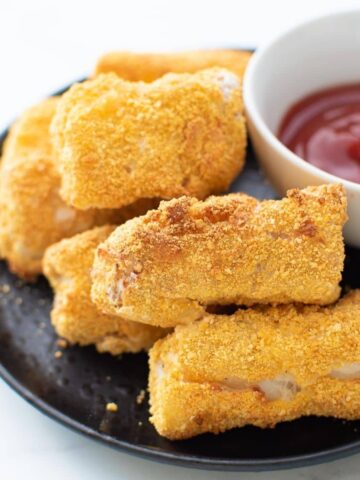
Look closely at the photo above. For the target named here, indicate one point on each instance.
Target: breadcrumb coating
(119, 141)
(167, 267)
(33, 215)
(259, 366)
(67, 265)
(148, 67)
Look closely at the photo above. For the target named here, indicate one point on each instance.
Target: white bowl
(317, 54)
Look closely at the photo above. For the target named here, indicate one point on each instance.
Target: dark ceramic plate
(75, 388)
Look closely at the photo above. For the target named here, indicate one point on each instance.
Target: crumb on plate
(111, 407)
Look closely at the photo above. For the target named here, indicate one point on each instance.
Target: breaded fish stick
(118, 141)
(147, 67)
(32, 213)
(259, 366)
(167, 267)
(67, 265)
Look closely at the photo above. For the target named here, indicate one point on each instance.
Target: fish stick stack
(109, 191)
(106, 151)
(284, 356)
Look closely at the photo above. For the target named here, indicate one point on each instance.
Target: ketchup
(324, 129)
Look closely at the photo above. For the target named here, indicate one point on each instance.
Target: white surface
(295, 64)
(45, 44)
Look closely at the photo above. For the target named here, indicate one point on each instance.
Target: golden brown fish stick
(167, 267)
(67, 265)
(147, 67)
(32, 213)
(259, 366)
(118, 141)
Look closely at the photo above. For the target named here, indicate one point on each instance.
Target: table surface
(46, 45)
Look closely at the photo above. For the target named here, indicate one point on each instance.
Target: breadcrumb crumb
(62, 343)
(140, 398)
(111, 407)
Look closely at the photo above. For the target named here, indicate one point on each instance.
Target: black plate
(75, 388)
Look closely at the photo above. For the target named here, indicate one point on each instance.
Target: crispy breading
(118, 141)
(147, 67)
(32, 213)
(167, 267)
(259, 366)
(67, 265)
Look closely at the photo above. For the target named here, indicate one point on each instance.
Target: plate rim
(170, 458)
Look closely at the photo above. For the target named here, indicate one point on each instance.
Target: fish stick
(32, 213)
(67, 265)
(171, 265)
(148, 67)
(258, 366)
(118, 142)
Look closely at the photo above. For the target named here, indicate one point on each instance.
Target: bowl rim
(261, 126)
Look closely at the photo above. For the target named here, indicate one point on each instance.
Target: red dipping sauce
(324, 129)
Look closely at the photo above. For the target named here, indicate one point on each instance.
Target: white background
(46, 44)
